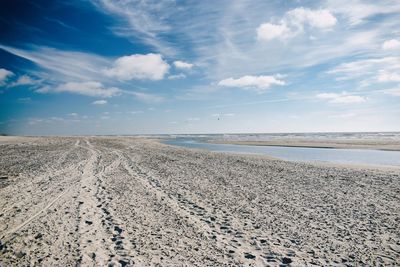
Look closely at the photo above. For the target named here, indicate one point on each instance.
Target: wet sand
(125, 201)
(390, 145)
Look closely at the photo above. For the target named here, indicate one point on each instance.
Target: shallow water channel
(332, 155)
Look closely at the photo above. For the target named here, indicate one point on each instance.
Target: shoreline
(355, 166)
(384, 145)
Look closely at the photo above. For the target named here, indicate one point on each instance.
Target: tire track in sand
(91, 249)
(100, 235)
(9, 235)
(53, 172)
(228, 239)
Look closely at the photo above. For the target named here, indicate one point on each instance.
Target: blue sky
(147, 67)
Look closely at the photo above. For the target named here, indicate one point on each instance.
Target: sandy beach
(120, 201)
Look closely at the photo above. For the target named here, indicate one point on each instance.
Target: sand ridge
(95, 201)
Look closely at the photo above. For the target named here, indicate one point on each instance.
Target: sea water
(332, 155)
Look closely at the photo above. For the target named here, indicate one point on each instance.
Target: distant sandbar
(390, 145)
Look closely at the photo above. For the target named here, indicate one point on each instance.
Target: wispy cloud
(342, 98)
(392, 44)
(84, 73)
(66, 65)
(135, 112)
(143, 20)
(357, 11)
(228, 51)
(223, 114)
(92, 88)
(4, 75)
(146, 97)
(369, 71)
(221, 38)
(384, 76)
(257, 83)
(25, 80)
(343, 115)
(24, 100)
(99, 102)
(177, 76)
(393, 91)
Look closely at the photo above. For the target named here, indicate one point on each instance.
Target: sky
(163, 67)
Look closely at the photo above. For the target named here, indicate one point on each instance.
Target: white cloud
(73, 114)
(24, 80)
(182, 65)
(148, 98)
(293, 23)
(343, 115)
(391, 45)
(136, 112)
(366, 66)
(143, 20)
(4, 75)
(56, 119)
(357, 11)
(177, 76)
(140, 67)
(369, 71)
(62, 65)
(384, 76)
(321, 19)
(343, 98)
(269, 31)
(223, 114)
(34, 121)
(99, 102)
(393, 91)
(259, 83)
(94, 89)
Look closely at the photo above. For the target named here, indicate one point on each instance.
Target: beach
(125, 201)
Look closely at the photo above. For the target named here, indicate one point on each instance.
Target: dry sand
(385, 144)
(125, 201)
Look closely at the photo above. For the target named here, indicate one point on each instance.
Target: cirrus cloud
(342, 98)
(369, 71)
(385, 76)
(94, 89)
